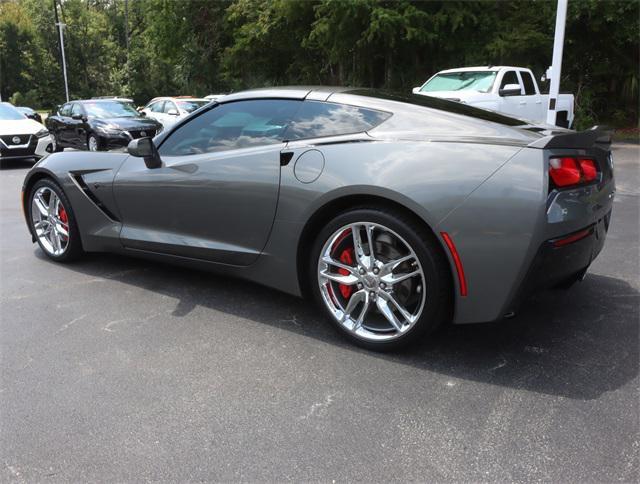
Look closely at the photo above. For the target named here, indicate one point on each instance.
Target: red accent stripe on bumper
(576, 236)
(462, 281)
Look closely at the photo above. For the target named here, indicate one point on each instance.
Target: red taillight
(566, 170)
(589, 170)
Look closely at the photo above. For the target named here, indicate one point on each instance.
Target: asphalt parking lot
(115, 369)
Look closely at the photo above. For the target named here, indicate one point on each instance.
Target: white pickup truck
(510, 90)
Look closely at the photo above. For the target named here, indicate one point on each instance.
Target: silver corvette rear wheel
(372, 282)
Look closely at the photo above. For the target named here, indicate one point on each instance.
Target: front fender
(87, 181)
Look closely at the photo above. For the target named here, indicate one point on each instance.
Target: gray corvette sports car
(396, 213)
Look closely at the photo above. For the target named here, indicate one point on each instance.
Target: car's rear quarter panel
(430, 179)
(501, 226)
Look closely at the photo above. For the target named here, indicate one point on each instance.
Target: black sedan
(98, 125)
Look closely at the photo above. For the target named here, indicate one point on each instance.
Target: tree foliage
(145, 48)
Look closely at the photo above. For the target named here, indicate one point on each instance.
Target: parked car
(98, 124)
(396, 213)
(169, 110)
(115, 98)
(30, 113)
(509, 90)
(21, 137)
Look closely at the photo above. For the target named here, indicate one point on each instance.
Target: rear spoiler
(598, 135)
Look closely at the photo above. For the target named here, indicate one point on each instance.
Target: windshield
(190, 106)
(9, 113)
(114, 109)
(481, 81)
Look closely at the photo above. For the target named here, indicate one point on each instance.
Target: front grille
(135, 134)
(27, 151)
(10, 139)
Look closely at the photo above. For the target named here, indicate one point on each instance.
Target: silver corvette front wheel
(372, 279)
(52, 221)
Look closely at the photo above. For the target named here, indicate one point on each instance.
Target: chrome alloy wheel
(372, 281)
(93, 143)
(50, 221)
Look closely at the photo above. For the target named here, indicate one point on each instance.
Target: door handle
(285, 157)
(522, 103)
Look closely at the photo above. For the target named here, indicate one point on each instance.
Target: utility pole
(126, 25)
(61, 27)
(126, 39)
(555, 70)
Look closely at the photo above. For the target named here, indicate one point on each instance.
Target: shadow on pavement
(577, 344)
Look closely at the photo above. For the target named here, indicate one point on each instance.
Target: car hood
(19, 126)
(126, 123)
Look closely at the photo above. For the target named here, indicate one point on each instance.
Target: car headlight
(109, 131)
(42, 133)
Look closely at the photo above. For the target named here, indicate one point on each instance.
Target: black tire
(438, 305)
(74, 247)
(57, 148)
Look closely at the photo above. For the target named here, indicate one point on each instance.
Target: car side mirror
(416, 90)
(77, 117)
(173, 112)
(510, 90)
(144, 148)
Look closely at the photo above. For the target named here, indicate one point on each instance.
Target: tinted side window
(76, 109)
(65, 110)
(510, 77)
(317, 118)
(527, 80)
(234, 125)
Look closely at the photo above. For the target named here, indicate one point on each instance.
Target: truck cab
(506, 89)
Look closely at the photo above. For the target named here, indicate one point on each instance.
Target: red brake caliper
(346, 258)
(62, 214)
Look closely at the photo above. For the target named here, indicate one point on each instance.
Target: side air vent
(80, 183)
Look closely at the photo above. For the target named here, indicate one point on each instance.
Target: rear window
(191, 106)
(316, 119)
(440, 104)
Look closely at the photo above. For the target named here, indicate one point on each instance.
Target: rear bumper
(562, 260)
